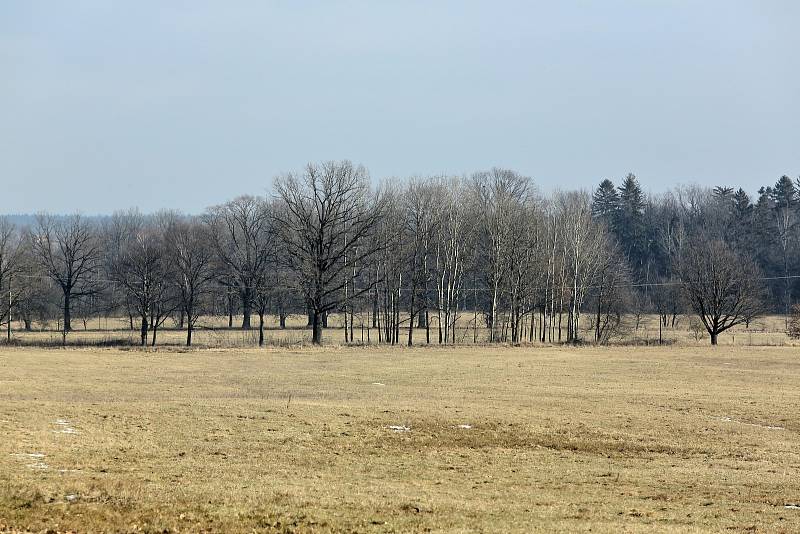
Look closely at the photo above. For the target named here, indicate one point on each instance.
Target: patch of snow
(62, 422)
(38, 465)
(66, 430)
(465, 427)
(38, 456)
(71, 497)
(399, 428)
(378, 384)
(767, 427)
(792, 506)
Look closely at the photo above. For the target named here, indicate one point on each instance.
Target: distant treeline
(28, 220)
(410, 258)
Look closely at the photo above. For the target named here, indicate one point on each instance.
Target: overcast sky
(106, 105)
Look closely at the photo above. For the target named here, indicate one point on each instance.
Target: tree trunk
(346, 332)
(143, 332)
(411, 334)
(316, 324)
(597, 320)
(427, 327)
(230, 310)
(714, 338)
(67, 319)
(155, 331)
(375, 309)
(189, 325)
(493, 316)
(282, 319)
(246, 309)
(260, 328)
(411, 320)
(533, 325)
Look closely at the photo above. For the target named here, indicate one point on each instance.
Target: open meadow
(375, 439)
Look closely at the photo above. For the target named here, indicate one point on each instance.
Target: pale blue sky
(183, 104)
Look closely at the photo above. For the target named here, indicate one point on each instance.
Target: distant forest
(409, 258)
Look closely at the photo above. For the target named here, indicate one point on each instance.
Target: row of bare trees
(478, 258)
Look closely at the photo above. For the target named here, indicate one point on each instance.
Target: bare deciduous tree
(502, 198)
(139, 264)
(69, 251)
(189, 250)
(455, 224)
(240, 233)
(12, 283)
(327, 215)
(723, 288)
(418, 233)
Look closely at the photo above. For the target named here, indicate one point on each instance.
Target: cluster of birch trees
(444, 259)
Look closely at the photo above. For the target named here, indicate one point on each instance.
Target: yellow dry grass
(562, 439)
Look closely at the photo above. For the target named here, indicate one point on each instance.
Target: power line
(471, 289)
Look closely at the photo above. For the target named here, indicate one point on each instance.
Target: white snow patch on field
(38, 465)
(29, 455)
(66, 430)
(37, 457)
(767, 427)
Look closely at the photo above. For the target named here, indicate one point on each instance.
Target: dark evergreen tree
(723, 193)
(742, 206)
(742, 225)
(784, 194)
(629, 225)
(785, 203)
(762, 228)
(605, 201)
(717, 215)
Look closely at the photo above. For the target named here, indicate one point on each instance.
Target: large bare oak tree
(325, 220)
(69, 250)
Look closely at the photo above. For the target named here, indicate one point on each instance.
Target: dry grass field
(659, 439)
